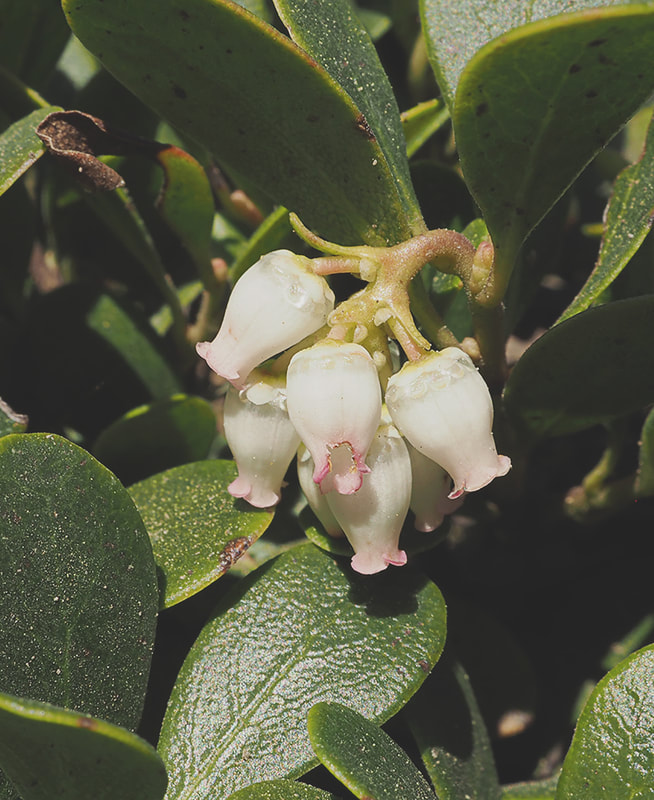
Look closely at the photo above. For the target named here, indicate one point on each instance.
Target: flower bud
(334, 401)
(442, 405)
(274, 305)
(262, 439)
(372, 518)
(316, 499)
(430, 487)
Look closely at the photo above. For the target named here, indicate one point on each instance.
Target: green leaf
(281, 790)
(645, 479)
(456, 29)
(224, 77)
(78, 581)
(531, 790)
(612, 751)
(198, 530)
(591, 368)
(451, 735)
(421, 122)
(20, 147)
(575, 79)
(186, 203)
(628, 219)
(301, 630)
(362, 756)
(10, 421)
(331, 32)
(50, 753)
(155, 437)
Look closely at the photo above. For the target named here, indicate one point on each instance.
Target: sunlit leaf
(362, 756)
(198, 530)
(612, 751)
(301, 630)
(20, 147)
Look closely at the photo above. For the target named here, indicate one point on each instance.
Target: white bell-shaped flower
(334, 401)
(274, 305)
(262, 439)
(442, 405)
(372, 518)
(430, 489)
(316, 499)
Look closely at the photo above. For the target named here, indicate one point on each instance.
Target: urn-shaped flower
(274, 305)
(262, 439)
(334, 401)
(442, 405)
(372, 518)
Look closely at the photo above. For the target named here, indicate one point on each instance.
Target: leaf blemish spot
(179, 92)
(591, 93)
(574, 68)
(481, 109)
(597, 43)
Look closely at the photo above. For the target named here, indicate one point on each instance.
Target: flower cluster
(364, 456)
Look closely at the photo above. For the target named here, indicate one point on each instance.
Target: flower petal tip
(372, 563)
(243, 489)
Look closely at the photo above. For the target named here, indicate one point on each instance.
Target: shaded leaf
(103, 360)
(531, 790)
(79, 588)
(10, 421)
(628, 219)
(421, 122)
(33, 33)
(362, 756)
(222, 76)
(331, 32)
(591, 368)
(301, 630)
(576, 79)
(645, 479)
(281, 790)
(456, 29)
(612, 750)
(20, 147)
(198, 530)
(451, 736)
(158, 436)
(51, 752)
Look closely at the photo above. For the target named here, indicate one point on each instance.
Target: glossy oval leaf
(576, 79)
(223, 76)
(301, 630)
(612, 750)
(362, 756)
(627, 221)
(456, 29)
(158, 436)
(451, 735)
(10, 421)
(197, 529)
(78, 581)
(333, 34)
(20, 147)
(281, 790)
(52, 753)
(591, 368)
(645, 478)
